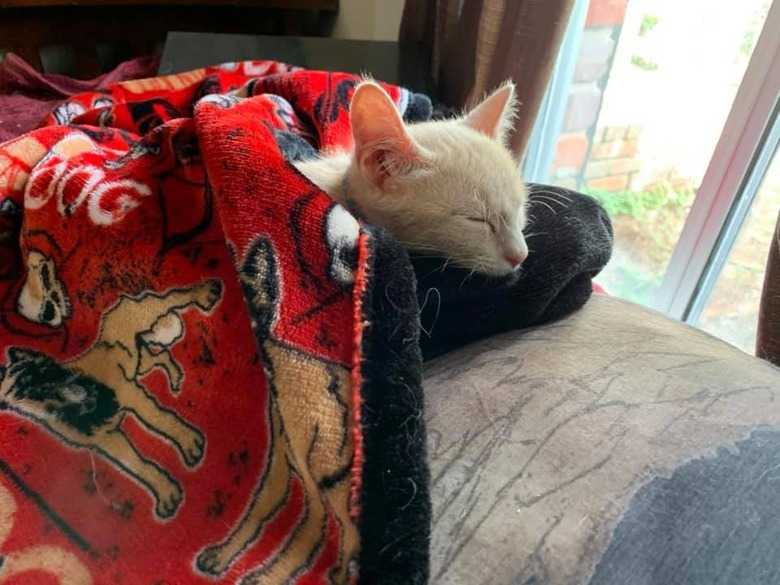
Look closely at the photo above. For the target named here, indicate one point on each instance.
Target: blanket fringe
(356, 378)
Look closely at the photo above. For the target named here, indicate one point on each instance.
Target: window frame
(730, 177)
(744, 151)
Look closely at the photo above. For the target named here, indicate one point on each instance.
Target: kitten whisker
(547, 205)
(563, 205)
(451, 258)
(470, 274)
(480, 265)
(437, 269)
(550, 194)
(526, 236)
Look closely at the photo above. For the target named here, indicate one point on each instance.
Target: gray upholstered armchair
(614, 446)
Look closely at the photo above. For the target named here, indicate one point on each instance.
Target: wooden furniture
(404, 63)
(140, 26)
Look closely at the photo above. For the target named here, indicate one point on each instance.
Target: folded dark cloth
(570, 240)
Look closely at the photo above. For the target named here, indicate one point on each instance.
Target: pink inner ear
(374, 116)
(382, 146)
(489, 117)
(383, 160)
(375, 164)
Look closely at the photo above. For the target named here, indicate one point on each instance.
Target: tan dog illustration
(84, 400)
(309, 416)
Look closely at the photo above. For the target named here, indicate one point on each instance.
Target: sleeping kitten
(447, 187)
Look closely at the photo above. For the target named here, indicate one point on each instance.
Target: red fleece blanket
(189, 369)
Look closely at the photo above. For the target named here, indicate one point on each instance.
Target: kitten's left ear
(495, 115)
(383, 147)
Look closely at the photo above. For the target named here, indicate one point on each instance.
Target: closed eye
(483, 220)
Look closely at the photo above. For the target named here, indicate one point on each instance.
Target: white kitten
(448, 187)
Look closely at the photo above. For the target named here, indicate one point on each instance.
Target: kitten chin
(454, 277)
(448, 185)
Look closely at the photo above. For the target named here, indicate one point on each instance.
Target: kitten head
(451, 188)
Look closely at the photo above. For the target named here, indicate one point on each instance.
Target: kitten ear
(383, 148)
(494, 116)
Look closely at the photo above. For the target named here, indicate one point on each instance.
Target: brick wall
(597, 48)
(613, 163)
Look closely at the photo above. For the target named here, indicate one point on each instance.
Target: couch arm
(615, 446)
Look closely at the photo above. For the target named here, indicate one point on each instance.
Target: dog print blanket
(209, 372)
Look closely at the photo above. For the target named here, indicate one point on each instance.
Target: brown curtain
(768, 335)
(477, 44)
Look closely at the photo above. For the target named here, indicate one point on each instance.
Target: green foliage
(640, 205)
(639, 62)
(654, 219)
(755, 26)
(749, 38)
(649, 22)
(748, 42)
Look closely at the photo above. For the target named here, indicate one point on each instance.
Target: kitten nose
(515, 259)
(516, 252)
